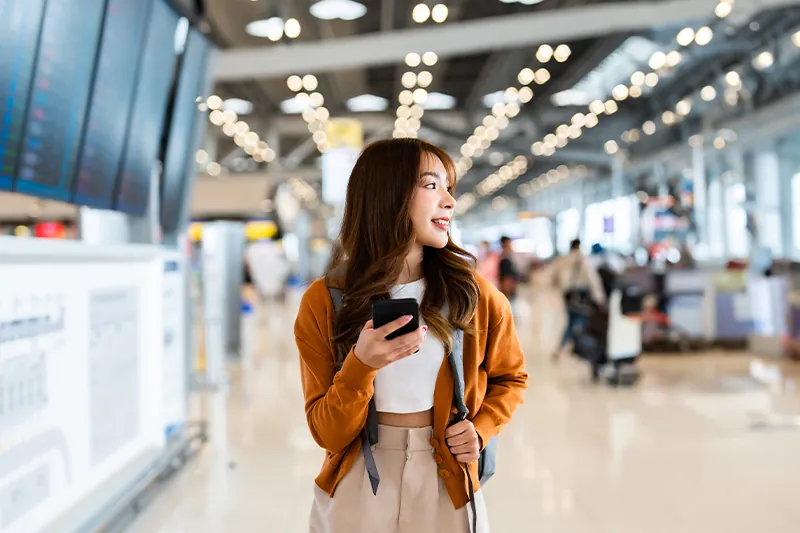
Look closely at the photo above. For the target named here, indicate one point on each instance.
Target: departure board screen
(20, 22)
(112, 97)
(59, 97)
(149, 108)
(185, 131)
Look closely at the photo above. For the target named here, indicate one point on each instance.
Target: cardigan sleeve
(505, 367)
(336, 403)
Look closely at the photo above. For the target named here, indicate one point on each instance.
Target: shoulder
(316, 304)
(490, 300)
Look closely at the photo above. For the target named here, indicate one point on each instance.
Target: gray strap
(456, 358)
(369, 435)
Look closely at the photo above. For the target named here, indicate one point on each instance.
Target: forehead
(432, 164)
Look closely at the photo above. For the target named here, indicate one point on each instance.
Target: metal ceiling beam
(469, 37)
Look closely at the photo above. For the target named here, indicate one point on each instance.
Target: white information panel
(176, 361)
(81, 349)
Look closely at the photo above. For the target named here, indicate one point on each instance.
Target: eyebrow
(432, 174)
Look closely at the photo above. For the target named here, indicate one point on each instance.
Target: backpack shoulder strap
(456, 358)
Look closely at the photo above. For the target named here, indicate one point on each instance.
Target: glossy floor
(699, 446)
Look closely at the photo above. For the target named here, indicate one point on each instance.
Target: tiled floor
(676, 454)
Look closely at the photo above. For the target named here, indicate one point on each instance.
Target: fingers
(394, 325)
(467, 457)
(458, 428)
(409, 339)
(462, 439)
(410, 347)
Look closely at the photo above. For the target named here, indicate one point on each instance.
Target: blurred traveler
(508, 276)
(398, 459)
(488, 264)
(582, 289)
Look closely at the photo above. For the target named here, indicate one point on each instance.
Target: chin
(436, 242)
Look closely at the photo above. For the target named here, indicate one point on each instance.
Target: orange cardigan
(336, 403)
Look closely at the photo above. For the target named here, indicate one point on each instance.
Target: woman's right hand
(375, 351)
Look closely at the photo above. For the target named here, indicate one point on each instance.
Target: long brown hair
(376, 235)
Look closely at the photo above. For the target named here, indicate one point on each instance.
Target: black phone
(385, 311)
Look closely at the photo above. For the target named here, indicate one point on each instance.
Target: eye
(451, 189)
(431, 185)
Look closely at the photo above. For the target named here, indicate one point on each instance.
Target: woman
(395, 242)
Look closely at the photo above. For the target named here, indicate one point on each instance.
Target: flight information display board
(20, 22)
(59, 97)
(186, 130)
(149, 108)
(112, 97)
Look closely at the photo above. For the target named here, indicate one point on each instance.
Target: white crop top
(407, 385)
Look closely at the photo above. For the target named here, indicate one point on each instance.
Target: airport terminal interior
(174, 177)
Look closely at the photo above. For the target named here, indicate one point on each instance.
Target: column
(763, 174)
(700, 194)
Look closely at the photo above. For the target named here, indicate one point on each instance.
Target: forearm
(336, 416)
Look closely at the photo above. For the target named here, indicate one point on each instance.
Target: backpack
(487, 462)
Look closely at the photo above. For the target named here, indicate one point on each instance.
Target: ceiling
(608, 41)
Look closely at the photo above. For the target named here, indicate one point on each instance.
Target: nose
(448, 201)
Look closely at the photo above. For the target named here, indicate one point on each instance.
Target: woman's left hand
(463, 441)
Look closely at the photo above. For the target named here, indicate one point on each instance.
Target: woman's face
(432, 205)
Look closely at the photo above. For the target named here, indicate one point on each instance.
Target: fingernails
(408, 318)
(424, 329)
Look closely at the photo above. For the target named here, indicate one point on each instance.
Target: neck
(412, 266)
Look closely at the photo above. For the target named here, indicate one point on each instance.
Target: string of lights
(315, 114)
(414, 94)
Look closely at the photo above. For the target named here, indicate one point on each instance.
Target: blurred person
(581, 287)
(508, 276)
(395, 243)
(488, 264)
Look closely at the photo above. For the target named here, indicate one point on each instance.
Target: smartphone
(385, 311)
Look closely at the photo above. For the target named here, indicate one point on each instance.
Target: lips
(441, 223)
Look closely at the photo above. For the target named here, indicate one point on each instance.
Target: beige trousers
(411, 498)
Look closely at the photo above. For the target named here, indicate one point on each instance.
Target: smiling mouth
(441, 223)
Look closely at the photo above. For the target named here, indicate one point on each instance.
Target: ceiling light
(510, 95)
(214, 102)
(634, 136)
(537, 148)
(764, 60)
(658, 60)
(562, 131)
(512, 109)
(271, 28)
(242, 127)
(592, 120)
(733, 79)
(611, 107)
(499, 109)
(649, 127)
(420, 96)
(708, 93)
(550, 139)
(413, 59)
(420, 13)
(310, 82)
(542, 76)
(216, 117)
(637, 78)
(684, 107)
(424, 78)
(525, 95)
(796, 39)
(239, 140)
(295, 83)
(417, 110)
(674, 58)
(238, 105)
(575, 132)
(578, 119)
(720, 143)
(597, 107)
(214, 169)
(439, 13)
(620, 92)
(338, 9)
(201, 156)
(409, 80)
(668, 117)
(294, 106)
(696, 141)
(230, 117)
(723, 9)
(430, 58)
(251, 139)
(611, 147)
(229, 129)
(704, 36)
(731, 96)
(501, 122)
(525, 76)
(562, 53)
(685, 37)
(635, 91)
(651, 80)
(316, 99)
(545, 53)
(406, 97)
(292, 28)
